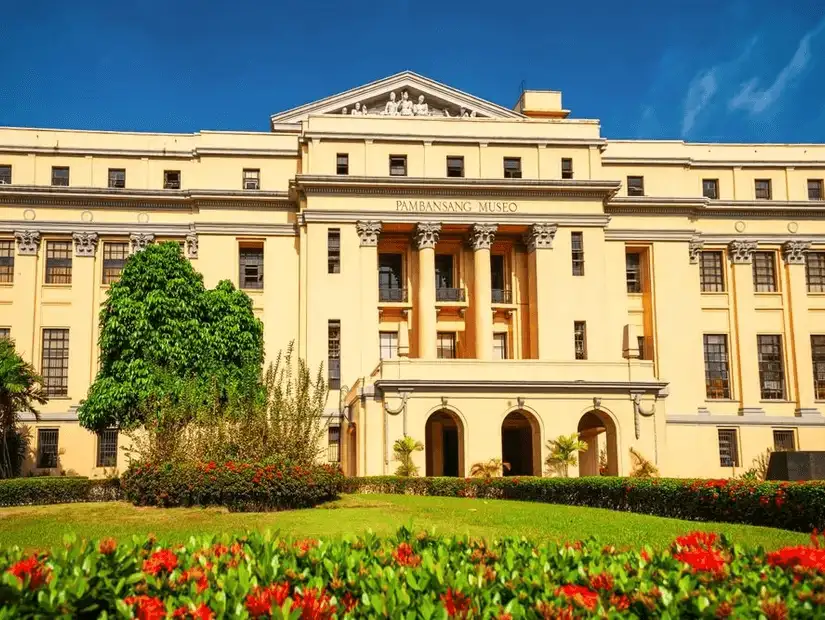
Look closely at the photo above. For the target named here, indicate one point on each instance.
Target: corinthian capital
(139, 241)
(192, 245)
(482, 236)
(741, 252)
(28, 241)
(794, 251)
(368, 231)
(85, 243)
(540, 236)
(694, 249)
(426, 234)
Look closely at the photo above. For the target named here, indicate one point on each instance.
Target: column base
(808, 412)
(751, 411)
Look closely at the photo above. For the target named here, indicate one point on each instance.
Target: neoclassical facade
(480, 278)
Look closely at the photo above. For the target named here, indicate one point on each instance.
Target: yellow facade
(609, 288)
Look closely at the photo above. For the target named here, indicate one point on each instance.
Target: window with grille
(58, 262)
(762, 188)
(5, 175)
(580, 339)
(251, 178)
(717, 369)
(334, 444)
(107, 448)
(784, 441)
(640, 344)
(455, 166)
(566, 168)
(342, 163)
(633, 271)
(388, 342)
(114, 259)
(398, 165)
(814, 271)
(54, 367)
(60, 176)
(445, 345)
(711, 272)
(391, 278)
(771, 367)
(764, 272)
(251, 261)
(5, 333)
(171, 179)
(577, 249)
(117, 178)
(728, 447)
(47, 448)
(499, 346)
(334, 250)
(635, 186)
(710, 188)
(818, 355)
(512, 167)
(815, 189)
(334, 354)
(6, 260)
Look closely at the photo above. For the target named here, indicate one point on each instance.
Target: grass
(38, 527)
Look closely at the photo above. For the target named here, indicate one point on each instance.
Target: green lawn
(35, 527)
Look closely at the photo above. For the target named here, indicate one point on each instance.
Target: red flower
(405, 556)
(148, 607)
(775, 611)
(314, 604)
(620, 602)
(160, 560)
(645, 555)
(457, 604)
(349, 602)
(201, 612)
(219, 549)
(260, 600)
(702, 559)
(107, 546)
(580, 594)
(804, 557)
(31, 568)
(697, 540)
(602, 581)
(305, 545)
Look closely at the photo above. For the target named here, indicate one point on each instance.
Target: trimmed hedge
(54, 490)
(239, 486)
(796, 506)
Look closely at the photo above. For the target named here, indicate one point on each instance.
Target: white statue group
(404, 107)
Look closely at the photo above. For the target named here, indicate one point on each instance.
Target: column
(481, 239)
(368, 232)
(426, 236)
(741, 257)
(539, 242)
(25, 334)
(82, 337)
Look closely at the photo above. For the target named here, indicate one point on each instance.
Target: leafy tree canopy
(161, 330)
(20, 391)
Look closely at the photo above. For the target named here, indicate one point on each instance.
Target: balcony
(502, 296)
(443, 294)
(393, 295)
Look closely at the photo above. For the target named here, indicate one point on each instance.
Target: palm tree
(490, 469)
(564, 452)
(19, 391)
(402, 450)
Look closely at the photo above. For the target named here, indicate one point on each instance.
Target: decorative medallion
(143, 218)
(739, 226)
(29, 215)
(793, 227)
(87, 216)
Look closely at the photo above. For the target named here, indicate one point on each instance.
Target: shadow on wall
(31, 465)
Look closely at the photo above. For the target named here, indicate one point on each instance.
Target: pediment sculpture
(405, 106)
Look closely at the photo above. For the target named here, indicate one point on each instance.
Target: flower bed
(56, 490)
(238, 486)
(796, 506)
(423, 576)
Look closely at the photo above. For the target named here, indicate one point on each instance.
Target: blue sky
(732, 70)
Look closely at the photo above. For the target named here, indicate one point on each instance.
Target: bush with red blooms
(411, 576)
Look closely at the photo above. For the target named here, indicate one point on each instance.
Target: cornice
(762, 238)
(595, 220)
(691, 162)
(447, 139)
(160, 229)
(655, 234)
(744, 420)
(709, 239)
(579, 386)
(700, 206)
(152, 153)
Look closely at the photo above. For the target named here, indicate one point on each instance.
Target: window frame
(635, 286)
(106, 455)
(54, 361)
(342, 164)
(766, 190)
(168, 183)
(6, 174)
(771, 370)
(577, 252)
(566, 167)
(334, 443)
(815, 272)
(58, 269)
(391, 347)
(57, 178)
(512, 172)
(709, 282)
(733, 459)
(113, 260)
(788, 433)
(54, 455)
(399, 168)
(7, 255)
(112, 178)
(818, 364)
(455, 166)
(247, 281)
(334, 354)
(817, 186)
(580, 340)
(640, 346)
(251, 179)
(764, 273)
(634, 189)
(448, 340)
(333, 250)
(500, 338)
(718, 384)
(710, 183)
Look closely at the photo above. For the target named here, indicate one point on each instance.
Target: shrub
(54, 490)
(493, 468)
(408, 576)
(402, 451)
(642, 466)
(240, 486)
(564, 452)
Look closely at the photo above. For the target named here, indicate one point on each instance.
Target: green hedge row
(54, 490)
(796, 506)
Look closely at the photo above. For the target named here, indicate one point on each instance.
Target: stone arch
(599, 430)
(521, 442)
(444, 443)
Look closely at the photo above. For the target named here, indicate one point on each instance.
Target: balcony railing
(502, 296)
(449, 294)
(392, 295)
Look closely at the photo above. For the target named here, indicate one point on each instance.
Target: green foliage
(564, 452)
(642, 467)
(493, 468)
(56, 490)
(402, 451)
(161, 330)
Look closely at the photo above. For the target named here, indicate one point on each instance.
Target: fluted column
(426, 236)
(368, 231)
(481, 239)
(741, 258)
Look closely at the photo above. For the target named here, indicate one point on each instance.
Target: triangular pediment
(377, 99)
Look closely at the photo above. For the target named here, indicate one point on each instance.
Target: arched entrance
(521, 444)
(444, 444)
(599, 432)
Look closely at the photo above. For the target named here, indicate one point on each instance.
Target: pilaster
(26, 270)
(82, 336)
(539, 242)
(481, 240)
(426, 236)
(744, 318)
(368, 231)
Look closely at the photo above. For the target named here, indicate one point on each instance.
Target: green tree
(564, 452)
(19, 393)
(403, 450)
(161, 329)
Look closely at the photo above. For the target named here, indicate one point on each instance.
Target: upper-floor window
(711, 272)
(818, 358)
(60, 176)
(771, 366)
(762, 187)
(388, 343)
(445, 346)
(501, 293)
(58, 262)
(445, 287)
(251, 260)
(334, 354)
(640, 344)
(635, 186)
(764, 272)
(54, 366)
(114, 259)
(171, 179)
(390, 278)
(455, 166)
(500, 346)
(251, 178)
(580, 339)
(717, 368)
(5, 174)
(566, 168)
(6, 260)
(814, 271)
(5, 333)
(117, 178)
(815, 189)
(398, 165)
(342, 163)
(633, 272)
(512, 167)
(334, 250)
(710, 188)
(577, 252)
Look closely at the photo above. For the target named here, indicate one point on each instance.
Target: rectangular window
(60, 176)
(54, 366)
(5, 175)
(577, 245)
(334, 444)
(771, 367)
(499, 346)
(710, 188)
(334, 250)
(764, 272)
(171, 179)
(455, 166)
(5, 333)
(390, 278)
(334, 354)
(566, 168)
(251, 261)
(711, 272)
(251, 178)
(342, 163)
(117, 178)
(762, 188)
(389, 345)
(47, 448)
(814, 271)
(815, 189)
(640, 344)
(443, 271)
(818, 355)
(717, 369)
(445, 346)
(398, 165)
(728, 447)
(580, 339)
(784, 441)
(107, 448)
(635, 186)
(6, 260)
(633, 271)
(114, 258)
(58, 262)
(512, 167)
(501, 293)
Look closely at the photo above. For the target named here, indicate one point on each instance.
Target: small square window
(5, 175)
(710, 188)
(5, 333)
(398, 165)
(635, 186)
(117, 178)
(171, 179)
(455, 166)
(251, 178)
(762, 188)
(815, 189)
(784, 441)
(60, 176)
(251, 261)
(566, 168)
(512, 167)
(342, 163)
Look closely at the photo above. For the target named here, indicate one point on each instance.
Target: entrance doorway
(520, 444)
(602, 455)
(444, 445)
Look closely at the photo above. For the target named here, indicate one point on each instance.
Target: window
(717, 371)
(762, 187)
(445, 347)
(334, 250)
(771, 367)
(640, 344)
(814, 271)
(784, 441)
(577, 245)
(500, 290)
(107, 448)
(455, 166)
(6, 260)
(445, 289)
(117, 178)
(728, 448)
(711, 272)
(334, 444)
(342, 163)
(251, 178)
(5, 175)
(764, 272)
(710, 188)
(334, 354)
(580, 339)
(54, 366)
(60, 176)
(390, 278)
(398, 165)
(5, 333)
(114, 258)
(814, 189)
(59, 262)
(566, 168)
(499, 346)
(47, 448)
(818, 354)
(171, 179)
(388, 342)
(512, 167)
(635, 186)
(251, 261)
(633, 271)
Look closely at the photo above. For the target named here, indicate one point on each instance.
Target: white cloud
(701, 89)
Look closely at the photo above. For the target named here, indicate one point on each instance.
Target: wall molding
(596, 220)
(160, 229)
(659, 388)
(744, 420)
(690, 162)
(194, 153)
